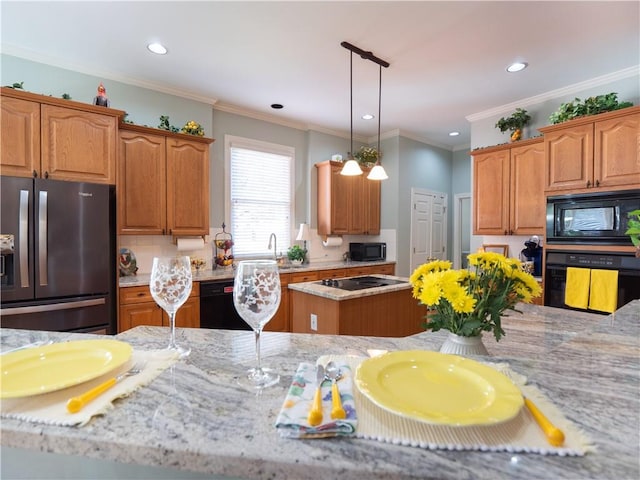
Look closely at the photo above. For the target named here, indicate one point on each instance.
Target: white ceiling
(447, 59)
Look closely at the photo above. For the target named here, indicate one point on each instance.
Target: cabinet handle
(597, 183)
(35, 174)
(588, 183)
(46, 174)
(141, 294)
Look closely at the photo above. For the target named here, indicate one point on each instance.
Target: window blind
(260, 200)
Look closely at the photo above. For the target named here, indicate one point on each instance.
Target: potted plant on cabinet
(514, 123)
(296, 254)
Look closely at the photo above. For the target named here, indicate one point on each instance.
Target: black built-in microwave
(595, 219)
(367, 252)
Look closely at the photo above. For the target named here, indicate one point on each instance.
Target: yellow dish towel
(604, 290)
(576, 292)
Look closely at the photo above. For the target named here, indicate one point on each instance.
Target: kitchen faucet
(275, 250)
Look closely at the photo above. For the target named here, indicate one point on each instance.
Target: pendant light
(377, 172)
(351, 167)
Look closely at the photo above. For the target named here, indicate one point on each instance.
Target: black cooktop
(359, 283)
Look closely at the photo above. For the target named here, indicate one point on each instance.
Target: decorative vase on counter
(458, 345)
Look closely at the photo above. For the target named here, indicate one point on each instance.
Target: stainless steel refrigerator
(58, 255)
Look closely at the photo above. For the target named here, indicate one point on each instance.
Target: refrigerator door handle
(53, 306)
(23, 234)
(42, 239)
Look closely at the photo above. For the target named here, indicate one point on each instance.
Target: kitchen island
(588, 364)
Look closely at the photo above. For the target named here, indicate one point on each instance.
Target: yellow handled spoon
(75, 404)
(554, 435)
(333, 373)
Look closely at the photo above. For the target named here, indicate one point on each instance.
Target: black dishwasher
(216, 306)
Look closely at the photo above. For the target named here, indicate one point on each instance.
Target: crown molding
(265, 117)
(560, 92)
(56, 62)
(421, 139)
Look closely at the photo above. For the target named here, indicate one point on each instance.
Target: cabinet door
(491, 193)
(372, 207)
(20, 141)
(187, 187)
(528, 206)
(340, 202)
(78, 146)
(187, 316)
(569, 158)
(617, 152)
(358, 207)
(280, 321)
(141, 184)
(139, 314)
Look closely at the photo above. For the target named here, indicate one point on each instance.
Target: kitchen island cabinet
(388, 311)
(586, 364)
(597, 153)
(163, 182)
(58, 139)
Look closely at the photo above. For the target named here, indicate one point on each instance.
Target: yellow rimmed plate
(53, 367)
(437, 388)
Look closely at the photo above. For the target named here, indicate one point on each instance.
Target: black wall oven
(627, 264)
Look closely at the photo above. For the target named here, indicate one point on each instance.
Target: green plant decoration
(66, 96)
(296, 252)
(165, 125)
(193, 128)
(366, 155)
(514, 123)
(634, 229)
(16, 85)
(590, 106)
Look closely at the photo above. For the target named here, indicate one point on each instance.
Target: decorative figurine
(101, 99)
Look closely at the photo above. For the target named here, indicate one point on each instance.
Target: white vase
(296, 262)
(457, 345)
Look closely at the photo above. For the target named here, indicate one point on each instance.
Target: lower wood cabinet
(137, 307)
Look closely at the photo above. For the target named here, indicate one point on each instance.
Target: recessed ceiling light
(157, 48)
(516, 67)
(368, 116)
(454, 134)
(276, 106)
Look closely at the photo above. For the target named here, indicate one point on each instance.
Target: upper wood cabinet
(163, 183)
(595, 153)
(58, 139)
(346, 205)
(508, 196)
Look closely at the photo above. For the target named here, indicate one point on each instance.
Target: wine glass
(170, 287)
(256, 296)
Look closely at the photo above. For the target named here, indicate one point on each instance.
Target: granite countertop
(333, 293)
(228, 273)
(587, 364)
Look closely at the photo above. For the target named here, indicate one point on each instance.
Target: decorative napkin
(576, 293)
(51, 408)
(292, 420)
(603, 295)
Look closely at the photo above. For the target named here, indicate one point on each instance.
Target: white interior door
(428, 226)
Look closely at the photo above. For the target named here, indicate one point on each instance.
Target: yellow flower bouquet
(468, 302)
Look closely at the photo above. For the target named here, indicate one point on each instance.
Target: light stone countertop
(587, 364)
(333, 293)
(228, 273)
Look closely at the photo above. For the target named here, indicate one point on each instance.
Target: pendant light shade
(351, 168)
(377, 173)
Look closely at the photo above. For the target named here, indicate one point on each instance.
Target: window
(260, 202)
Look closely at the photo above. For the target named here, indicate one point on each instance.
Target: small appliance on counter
(367, 252)
(533, 253)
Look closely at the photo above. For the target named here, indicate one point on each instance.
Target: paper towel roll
(332, 242)
(185, 244)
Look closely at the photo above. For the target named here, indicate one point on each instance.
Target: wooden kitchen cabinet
(280, 321)
(594, 153)
(508, 194)
(346, 205)
(58, 139)
(137, 307)
(163, 182)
